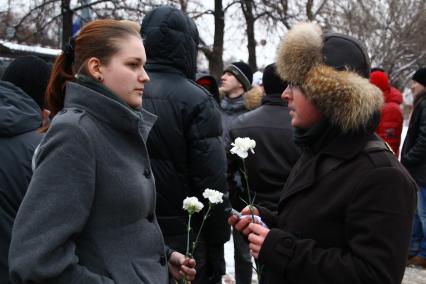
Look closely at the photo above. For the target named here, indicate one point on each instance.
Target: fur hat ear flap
(347, 99)
(299, 51)
(330, 77)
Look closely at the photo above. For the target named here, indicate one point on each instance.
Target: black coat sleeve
(208, 167)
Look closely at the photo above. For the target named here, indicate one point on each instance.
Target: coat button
(150, 217)
(163, 260)
(288, 243)
(147, 172)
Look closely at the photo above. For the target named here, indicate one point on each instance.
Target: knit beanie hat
(381, 80)
(31, 74)
(242, 72)
(420, 76)
(332, 71)
(272, 83)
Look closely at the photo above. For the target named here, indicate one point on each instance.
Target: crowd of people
(99, 150)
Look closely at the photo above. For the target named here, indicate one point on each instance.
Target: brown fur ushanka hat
(332, 71)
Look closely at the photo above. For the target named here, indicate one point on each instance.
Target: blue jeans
(418, 237)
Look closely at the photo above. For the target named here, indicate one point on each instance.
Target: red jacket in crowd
(391, 121)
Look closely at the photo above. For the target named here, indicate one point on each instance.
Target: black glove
(215, 263)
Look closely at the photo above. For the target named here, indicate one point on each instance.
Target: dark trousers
(242, 258)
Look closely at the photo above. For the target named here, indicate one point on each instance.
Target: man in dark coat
(269, 125)
(21, 103)
(413, 157)
(345, 213)
(185, 146)
(235, 84)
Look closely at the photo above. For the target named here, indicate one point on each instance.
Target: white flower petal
(241, 146)
(192, 205)
(213, 196)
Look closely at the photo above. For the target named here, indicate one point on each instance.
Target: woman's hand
(181, 267)
(256, 238)
(241, 224)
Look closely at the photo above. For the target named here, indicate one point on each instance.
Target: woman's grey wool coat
(89, 214)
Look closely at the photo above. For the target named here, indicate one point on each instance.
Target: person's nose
(143, 77)
(285, 96)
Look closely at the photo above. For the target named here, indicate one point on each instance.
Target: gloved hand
(215, 263)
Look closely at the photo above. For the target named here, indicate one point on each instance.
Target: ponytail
(62, 72)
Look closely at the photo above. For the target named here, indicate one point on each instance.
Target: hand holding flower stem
(241, 147)
(192, 205)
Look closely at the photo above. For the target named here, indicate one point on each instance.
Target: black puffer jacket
(20, 116)
(413, 155)
(185, 146)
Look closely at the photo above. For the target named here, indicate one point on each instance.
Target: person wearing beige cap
(345, 212)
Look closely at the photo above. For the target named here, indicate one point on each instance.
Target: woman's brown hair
(98, 39)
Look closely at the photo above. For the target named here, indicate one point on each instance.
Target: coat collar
(110, 111)
(346, 145)
(233, 105)
(312, 167)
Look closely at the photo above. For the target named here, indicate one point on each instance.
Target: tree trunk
(215, 57)
(67, 14)
(247, 7)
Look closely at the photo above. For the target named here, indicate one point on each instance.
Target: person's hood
(19, 113)
(171, 38)
(381, 80)
(210, 83)
(253, 98)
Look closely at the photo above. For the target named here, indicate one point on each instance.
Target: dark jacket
(345, 216)
(346, 210)
(275, 152)
(89, 213)
(185, 146)
(230, 109)
(20, 116)
(413, 154)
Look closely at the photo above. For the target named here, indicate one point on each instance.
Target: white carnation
(213, 196)
(241, 146)
(192, 205)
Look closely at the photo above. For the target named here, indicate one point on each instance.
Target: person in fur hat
(413, 158)
(345, 212)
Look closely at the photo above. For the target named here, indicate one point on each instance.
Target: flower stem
(188, 228)
(194, 244)
(250, 202)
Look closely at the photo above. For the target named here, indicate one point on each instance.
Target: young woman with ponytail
(89, 213)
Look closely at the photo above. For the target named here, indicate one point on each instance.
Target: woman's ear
(94, 68)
